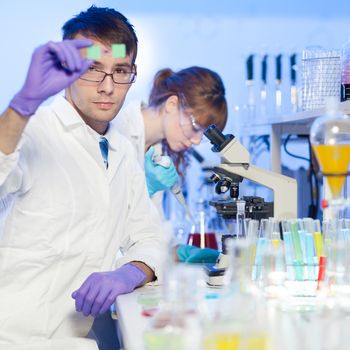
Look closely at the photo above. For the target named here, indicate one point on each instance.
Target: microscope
(235, 166)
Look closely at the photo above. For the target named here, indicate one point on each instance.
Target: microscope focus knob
(222, 186)
(215, 178)
(234, 191)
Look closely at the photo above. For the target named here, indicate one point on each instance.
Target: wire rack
(321, 73)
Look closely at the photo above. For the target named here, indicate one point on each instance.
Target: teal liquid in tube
(289, 252)
(298, 253)
(261, 246)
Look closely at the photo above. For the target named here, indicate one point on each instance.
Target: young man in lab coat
(75, 191)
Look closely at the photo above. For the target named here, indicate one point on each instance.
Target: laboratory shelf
(293, 123)
(298, 117)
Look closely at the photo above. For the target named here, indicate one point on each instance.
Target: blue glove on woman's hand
(193, 254)
(158, 177)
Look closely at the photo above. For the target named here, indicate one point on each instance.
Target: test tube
(318, 239)
(252, 230)
(347, 229)
(252, 236)
(298, 253)
(321, 271)
(275, 232)
(261, 246)
(301, 232)
(288, 248)
(331, 230)
(311, 259)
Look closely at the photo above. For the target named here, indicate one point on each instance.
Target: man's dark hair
(104, 24)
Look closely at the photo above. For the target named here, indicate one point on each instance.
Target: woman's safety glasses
(188, 123)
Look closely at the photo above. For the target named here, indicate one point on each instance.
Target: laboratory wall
(218, 35)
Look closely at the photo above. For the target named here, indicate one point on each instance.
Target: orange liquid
(333, 159)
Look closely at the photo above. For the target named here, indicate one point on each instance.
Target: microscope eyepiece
(217, 138)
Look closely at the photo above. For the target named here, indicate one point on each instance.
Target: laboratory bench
(303, 323)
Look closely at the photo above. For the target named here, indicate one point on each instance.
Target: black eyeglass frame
(133, 77)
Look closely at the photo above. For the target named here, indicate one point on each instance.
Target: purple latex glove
(100, 289)
(53, 67)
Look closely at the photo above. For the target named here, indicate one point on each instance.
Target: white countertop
(130, 319)
(294, 328)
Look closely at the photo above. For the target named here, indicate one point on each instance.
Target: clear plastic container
(320, 77)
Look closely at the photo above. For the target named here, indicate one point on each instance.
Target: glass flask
(330, 139)
(201, 234)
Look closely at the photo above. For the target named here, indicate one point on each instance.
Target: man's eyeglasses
(119, 76)
(188, 122)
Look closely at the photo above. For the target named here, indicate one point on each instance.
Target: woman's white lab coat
(70, 217)
(130, 123)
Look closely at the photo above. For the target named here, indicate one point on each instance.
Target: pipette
(293, 82)
(278, 93)
(165, 162)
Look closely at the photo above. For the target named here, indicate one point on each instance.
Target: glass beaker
(200, 235)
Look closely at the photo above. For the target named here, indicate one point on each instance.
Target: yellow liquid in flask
(333, 159)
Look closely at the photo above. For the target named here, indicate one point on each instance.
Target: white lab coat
(130, 123)
(70, 216)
